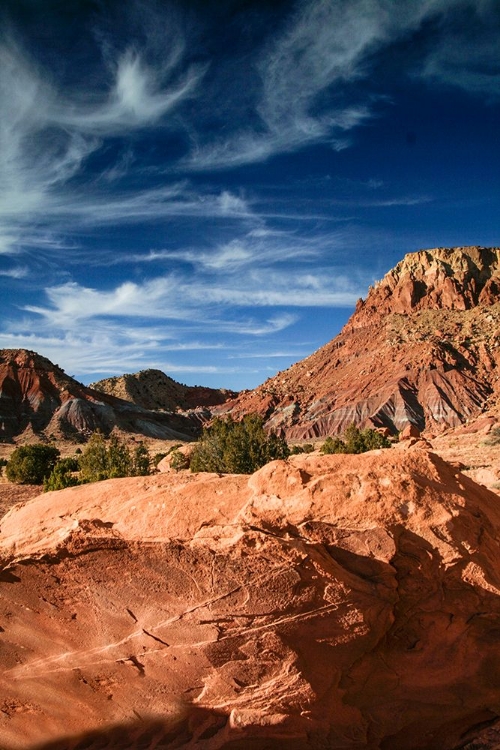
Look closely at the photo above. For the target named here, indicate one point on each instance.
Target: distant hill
(152, 389)
(424, 348)
(38, 399)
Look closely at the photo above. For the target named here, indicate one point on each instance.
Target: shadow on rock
(200, 728)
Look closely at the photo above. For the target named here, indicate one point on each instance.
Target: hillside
(152, 389)
(38, 400)
(424, 348)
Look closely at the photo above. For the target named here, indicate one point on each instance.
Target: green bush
(94, 459)
(31, 464)
(61, 475)
(230, 447)
(297, 449)
(178, 461)
(141, 462)
(333, 445)
(111, 459)
(355, 441)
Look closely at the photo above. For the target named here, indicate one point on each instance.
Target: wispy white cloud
(48, 134)
(324, 47)
(140, 95)
(310, 69)
(92, 354)
(200, 302)
(20, 272)
(257, 248)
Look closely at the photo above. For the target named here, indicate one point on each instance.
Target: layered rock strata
(423, 348)
(37, 397)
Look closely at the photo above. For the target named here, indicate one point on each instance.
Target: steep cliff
(423, 348)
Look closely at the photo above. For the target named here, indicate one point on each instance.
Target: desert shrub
(355, 440)
(94, 459)
(297, 449)
(62, 475)
(3, 462)
(230, 447)
(494, 437)
(31, 464)
(333, 445)
(179, 461)
(119, 460)
(141, 461)
(111, 459)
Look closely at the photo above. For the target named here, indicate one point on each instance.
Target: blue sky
(208, 187)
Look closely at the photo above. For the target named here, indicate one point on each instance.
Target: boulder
(323, 602)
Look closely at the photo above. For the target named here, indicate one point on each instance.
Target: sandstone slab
(335, 601)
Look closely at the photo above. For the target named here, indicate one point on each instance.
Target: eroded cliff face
(457, 278)
(423, 348)
(337, 601)
(37, 397)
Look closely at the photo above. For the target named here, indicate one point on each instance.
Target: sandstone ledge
(336, 601)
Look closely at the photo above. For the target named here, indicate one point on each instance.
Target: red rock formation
(337, 601)
(37, 396)
(423, 348)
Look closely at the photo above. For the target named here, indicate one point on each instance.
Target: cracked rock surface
(324, 602)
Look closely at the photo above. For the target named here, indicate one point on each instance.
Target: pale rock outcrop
(324, 602)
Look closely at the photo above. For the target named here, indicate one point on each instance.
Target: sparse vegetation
(62, 475)
(141, 461)
(112, 459)
(494, 437)
(230, 447)
(101, 459)
(297, 449)
(178, 461)
(355, 440)
(31, 464)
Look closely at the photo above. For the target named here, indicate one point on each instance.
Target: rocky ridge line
(39, 400)
(423, 348)
(153, 389)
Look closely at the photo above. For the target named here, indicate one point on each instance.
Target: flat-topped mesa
(457, 278)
